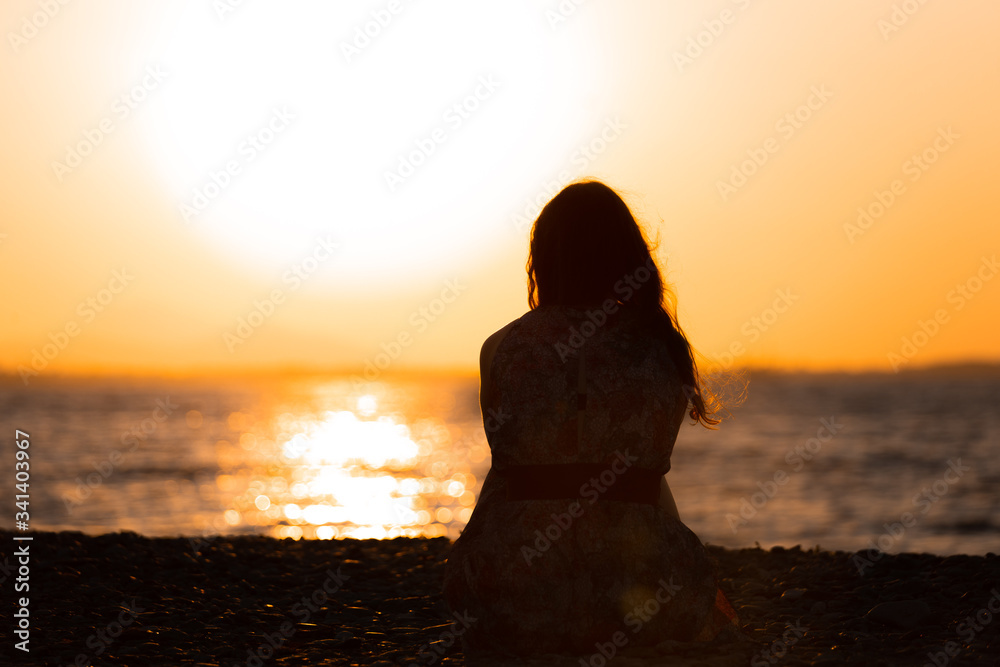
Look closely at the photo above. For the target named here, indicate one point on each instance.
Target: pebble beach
(125, 599)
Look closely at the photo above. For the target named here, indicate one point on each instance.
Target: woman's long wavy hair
(586, 247)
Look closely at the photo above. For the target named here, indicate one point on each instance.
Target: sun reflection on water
(350, 473)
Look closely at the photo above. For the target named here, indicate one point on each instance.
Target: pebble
(902, 614)
(793, 594)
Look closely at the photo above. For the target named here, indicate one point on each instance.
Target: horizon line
(967, 367)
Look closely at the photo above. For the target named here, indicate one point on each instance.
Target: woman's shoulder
(486, 355)
(493, 340)
(544, 321)
(599, 315)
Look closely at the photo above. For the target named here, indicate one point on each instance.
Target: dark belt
(582, 480)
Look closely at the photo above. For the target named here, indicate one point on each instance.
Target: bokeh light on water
(363, 470)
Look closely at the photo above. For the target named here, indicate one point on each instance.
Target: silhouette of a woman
(575, 541)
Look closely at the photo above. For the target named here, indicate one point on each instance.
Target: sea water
(907, 462)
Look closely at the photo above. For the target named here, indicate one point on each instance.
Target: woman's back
(574, 392)
(628, 395)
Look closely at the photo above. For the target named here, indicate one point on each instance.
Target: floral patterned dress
(565, 575)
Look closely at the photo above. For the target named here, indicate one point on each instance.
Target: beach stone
(818, 608)
(793, 594)
(905, 589)
(902, 614)
(752, 611)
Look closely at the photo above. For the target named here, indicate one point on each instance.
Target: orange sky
(168, 170)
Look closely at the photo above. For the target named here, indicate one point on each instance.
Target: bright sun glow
(334, 449)
(271, 136)
(342, 437)
(347, 474)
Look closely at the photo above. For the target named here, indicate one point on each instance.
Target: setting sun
(253, 135)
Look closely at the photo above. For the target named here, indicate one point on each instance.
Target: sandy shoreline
(124, 599)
